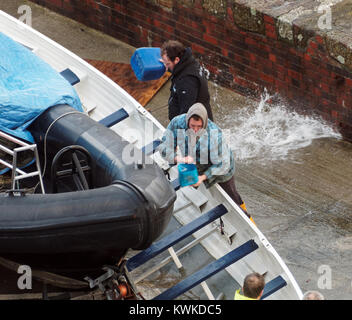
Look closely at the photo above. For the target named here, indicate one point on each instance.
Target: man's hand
(188, 159)
(201, 178)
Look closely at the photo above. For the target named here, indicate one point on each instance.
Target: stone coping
(296, 21)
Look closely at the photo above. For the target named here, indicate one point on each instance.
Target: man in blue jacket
(200, 141)
(188, 82)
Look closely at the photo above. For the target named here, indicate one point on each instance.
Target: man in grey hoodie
(200, 141)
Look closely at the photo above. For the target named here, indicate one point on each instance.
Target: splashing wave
(270, 132)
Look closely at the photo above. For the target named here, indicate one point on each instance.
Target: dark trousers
(230, 189)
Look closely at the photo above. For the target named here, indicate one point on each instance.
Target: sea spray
(271, 132)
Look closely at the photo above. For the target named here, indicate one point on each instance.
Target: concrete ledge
(298, 21)
(300, 49)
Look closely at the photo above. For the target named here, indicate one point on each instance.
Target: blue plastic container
(146, 64)
(187, 174)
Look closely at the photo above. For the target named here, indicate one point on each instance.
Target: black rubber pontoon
(75, 232)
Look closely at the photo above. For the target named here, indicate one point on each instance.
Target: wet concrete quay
(298, 189)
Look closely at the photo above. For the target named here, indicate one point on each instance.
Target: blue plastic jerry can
(187, 174)
(146, 64)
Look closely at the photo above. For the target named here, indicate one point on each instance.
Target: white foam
(270, 132)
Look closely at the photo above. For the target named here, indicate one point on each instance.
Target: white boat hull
(101, 97)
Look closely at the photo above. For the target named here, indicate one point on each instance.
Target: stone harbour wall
(299, 49)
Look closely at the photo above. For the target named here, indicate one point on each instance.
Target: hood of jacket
(199, 110)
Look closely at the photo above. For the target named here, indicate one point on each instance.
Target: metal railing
(18, 174)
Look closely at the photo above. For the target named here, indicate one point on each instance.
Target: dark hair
(196, 117)
(253, 285)
(173, 49)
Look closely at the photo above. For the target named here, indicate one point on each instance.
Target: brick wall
(242, 49)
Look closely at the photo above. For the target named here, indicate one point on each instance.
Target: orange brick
(272, 57)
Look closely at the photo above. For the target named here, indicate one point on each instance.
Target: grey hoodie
(199, 110)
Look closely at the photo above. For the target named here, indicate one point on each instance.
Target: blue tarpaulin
(28, 86)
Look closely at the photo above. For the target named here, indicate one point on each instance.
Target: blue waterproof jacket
(212, 155)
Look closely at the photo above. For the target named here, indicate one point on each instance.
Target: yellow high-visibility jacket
(239, 296)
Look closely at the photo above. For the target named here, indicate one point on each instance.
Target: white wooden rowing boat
(102, 97)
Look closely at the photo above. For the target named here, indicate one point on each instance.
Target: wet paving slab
(304, 207)
(295, 176)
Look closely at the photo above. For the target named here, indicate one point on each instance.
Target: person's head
(313, 295)
(195, 123)
(197, 117)
(171, 53)
(253, 285)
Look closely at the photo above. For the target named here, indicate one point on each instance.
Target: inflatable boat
(127, 204)
(90, 206)
(80, 226)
